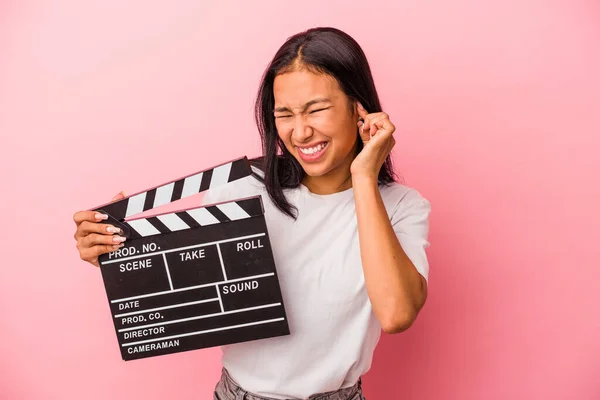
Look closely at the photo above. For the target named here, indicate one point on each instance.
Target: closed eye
(312, 112)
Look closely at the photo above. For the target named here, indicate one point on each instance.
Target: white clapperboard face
(194, 278)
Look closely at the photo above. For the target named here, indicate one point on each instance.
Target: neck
(328, 184)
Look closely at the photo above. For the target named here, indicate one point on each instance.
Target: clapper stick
(169, 192)
(192, 278)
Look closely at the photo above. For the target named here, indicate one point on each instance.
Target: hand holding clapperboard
(193, 278)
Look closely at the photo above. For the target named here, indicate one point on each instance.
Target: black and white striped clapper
(194, 278)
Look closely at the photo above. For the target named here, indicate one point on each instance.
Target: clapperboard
(193, 278)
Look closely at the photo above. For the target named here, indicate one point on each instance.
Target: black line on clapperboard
(177, 190)
(214, 210)
(251, 207)
(150, 198)
(206, 179)
(187, 219)
(162, 228)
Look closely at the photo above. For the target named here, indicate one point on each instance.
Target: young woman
(349, 241)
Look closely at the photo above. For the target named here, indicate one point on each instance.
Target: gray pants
(228, 389)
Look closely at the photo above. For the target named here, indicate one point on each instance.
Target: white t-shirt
(333, 328)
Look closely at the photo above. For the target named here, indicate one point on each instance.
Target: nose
(302, 131)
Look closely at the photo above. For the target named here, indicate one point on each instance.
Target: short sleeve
(410, 221)
(214, 195)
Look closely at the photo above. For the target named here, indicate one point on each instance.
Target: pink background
(498, 113)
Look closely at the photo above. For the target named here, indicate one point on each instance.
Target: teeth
(313, 150)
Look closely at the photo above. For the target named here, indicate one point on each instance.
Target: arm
(396, 288)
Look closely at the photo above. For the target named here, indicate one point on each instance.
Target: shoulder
(401, 200)
(400, 195)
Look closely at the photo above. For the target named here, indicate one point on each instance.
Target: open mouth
(312, 153)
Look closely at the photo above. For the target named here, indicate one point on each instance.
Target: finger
(91, 216)
(388, 126)
(86, 227)
(365, 137)
(94, 239)
(361, 110)
(385, 127)
(369, 120)
(368, 127)
(376, 121)
(377, 118)
(382, 140)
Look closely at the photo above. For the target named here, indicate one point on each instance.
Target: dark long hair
(322, 50)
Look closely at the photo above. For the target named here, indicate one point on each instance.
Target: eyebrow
(305, 107)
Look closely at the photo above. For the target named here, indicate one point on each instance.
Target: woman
(348, 240)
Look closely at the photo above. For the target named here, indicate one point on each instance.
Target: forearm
(396, 289)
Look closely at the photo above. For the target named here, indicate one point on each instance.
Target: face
(315, 122)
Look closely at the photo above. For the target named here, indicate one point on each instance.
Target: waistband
(228, 387)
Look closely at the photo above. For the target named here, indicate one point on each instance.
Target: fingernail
(118, 239)
(118, 246)
(101, 216)
(112, 229)
(360, 105)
